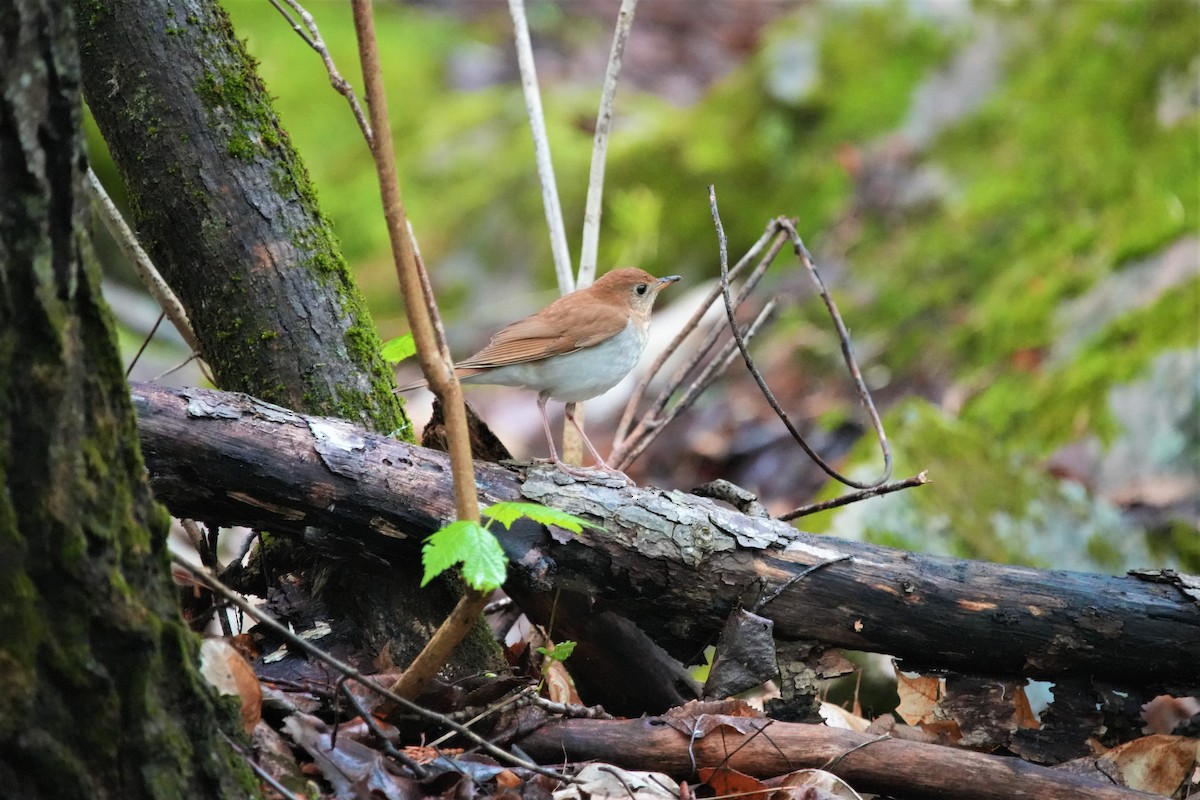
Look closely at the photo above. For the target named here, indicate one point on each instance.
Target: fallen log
(764, 748)
(674, 563)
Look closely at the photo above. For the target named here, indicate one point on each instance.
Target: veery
(574, 349)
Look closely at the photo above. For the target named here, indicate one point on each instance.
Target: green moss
(1055, 406)
(236, 98)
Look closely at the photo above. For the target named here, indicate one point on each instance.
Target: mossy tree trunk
(224, 206)
(99, 696)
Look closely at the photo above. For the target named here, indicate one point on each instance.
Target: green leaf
(484, 566)
(396, 350)
(561, 651)
(508, 513)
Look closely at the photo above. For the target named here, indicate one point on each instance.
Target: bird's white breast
(577, 376)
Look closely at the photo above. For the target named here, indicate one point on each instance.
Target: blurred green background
(1003, 197)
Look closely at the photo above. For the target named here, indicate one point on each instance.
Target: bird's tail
(462, 372)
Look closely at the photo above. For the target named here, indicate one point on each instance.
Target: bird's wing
(548, 333)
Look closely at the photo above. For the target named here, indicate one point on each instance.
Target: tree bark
(224, 206)
(674, 563)
(226, 210)
(100, 696)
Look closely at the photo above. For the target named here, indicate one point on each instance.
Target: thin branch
(257, 769)
(441, 645)
(295, 25)
(432, 353)
(842, 333)
(418, 771)
(313, 39)
(655, 419)
(803, 511)
(835, 760)
(594, 206)
(281, 630)
(487, 712)
(421, 310)
(145, 343)
(847, 355)
(569, 709)
(639, 391)
(158, 288)
(758, 607)
(541, 148)
(181, 365)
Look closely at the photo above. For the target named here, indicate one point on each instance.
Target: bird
(576, 348)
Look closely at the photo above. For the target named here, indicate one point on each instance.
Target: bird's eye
(642, 288)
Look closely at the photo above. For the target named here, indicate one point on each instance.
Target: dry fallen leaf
(726, 782)
(1157, 764)
(598, 781)
(919, 698)
(230, 674)
(812, 784)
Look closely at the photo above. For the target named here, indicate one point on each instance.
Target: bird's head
(631, 287)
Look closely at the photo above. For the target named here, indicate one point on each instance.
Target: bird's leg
(541, 403)
(579, 472)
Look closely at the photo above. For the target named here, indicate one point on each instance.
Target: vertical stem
(435, 360)
(594, 206)
(541, 148)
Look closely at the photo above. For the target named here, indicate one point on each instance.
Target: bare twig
(147, 272)
(658, 416)
(281, 630)
(759, 731)
(445, 639)
(257, 769)
(418, 771)
(833, 762)
(620, 443)
(572, 445)
(541, 148)
(757, 607)
(887, 488)
(847, 355)
(313, 39)
(181, 365)
(570, 710)
(593, 207)
(844, 336)
(432, 354)
(492, 709)
(145, 342)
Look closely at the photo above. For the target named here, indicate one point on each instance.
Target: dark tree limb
(674, 563)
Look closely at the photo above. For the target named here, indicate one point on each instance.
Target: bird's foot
(592, 473)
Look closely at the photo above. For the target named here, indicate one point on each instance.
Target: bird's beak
(667, 281)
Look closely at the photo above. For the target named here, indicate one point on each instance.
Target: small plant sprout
(484, 566)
